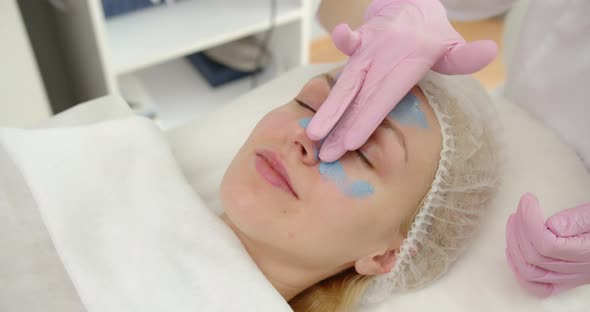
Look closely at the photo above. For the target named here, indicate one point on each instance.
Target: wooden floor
(323, 50)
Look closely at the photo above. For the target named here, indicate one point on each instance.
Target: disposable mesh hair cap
(465, 182)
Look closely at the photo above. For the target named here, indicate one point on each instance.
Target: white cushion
(100, 109)
(537, 161)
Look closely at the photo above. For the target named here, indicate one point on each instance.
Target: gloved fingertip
(528, 197)
(559, 226)
(530, 220)
(341, 30)
(345, 39)
(527, 202)
(489, 48)
(467, 58)
(313, 134)
(570, 222)
(491, 53)
(351, 143)
(315, 129)
(540, 290)
(330, 154)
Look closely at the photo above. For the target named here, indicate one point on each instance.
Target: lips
(271, 168)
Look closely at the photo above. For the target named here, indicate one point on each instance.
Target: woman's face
(330, 215)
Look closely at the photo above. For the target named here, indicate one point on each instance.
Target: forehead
(414, 110)
(423, 144)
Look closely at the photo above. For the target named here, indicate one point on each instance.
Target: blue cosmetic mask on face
(304, 122)
(408, 112)
(334, 171)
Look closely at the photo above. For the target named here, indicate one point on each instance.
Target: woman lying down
(124, 231)
(392, 215)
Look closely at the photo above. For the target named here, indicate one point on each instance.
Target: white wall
(316, 29)
(23, 101)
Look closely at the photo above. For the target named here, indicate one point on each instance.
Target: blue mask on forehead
(408, 112)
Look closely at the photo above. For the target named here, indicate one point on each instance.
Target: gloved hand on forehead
(549, 257)
(399, 43)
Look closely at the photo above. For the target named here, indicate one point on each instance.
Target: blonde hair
(341, 292)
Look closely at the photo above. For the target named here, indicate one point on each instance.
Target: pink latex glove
(549, 257)
(400, 41)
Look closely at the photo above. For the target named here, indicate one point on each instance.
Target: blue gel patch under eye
(335, 172)
(359, 189)
(408, 112)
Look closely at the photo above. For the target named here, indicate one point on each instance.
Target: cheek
(237, 184)
(350, 176)
(372, 213)
(251, 204)
(341, 227)
(273, 125)
(338, 196)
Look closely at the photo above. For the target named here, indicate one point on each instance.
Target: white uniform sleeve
(549, 73)
(475, 9)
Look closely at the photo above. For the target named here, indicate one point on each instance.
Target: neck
(288, 278)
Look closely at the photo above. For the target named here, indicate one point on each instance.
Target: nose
(307, 150)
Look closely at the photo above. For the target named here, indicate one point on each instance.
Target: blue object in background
(215, 73)
(113, 8)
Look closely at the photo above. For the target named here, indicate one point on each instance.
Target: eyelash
(364, 159)
(304, 105)
(358, 153)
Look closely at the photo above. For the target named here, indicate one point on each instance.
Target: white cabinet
(23, 101)
(140, 54)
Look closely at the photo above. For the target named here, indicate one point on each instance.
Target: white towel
(130, 231)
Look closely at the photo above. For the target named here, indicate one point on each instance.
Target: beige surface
(323, 50)
(23, 100)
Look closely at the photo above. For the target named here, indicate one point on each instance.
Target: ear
(377, 263)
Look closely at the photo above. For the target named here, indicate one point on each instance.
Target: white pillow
(105, 108)
(537, 161)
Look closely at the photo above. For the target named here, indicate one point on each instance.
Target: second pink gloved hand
(399, 43)
(549, 257)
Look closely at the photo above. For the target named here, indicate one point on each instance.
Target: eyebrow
(390, 125)
(386, 122)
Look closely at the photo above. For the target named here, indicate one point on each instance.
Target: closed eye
(364, 159)
(305, 105)
(358, 153)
